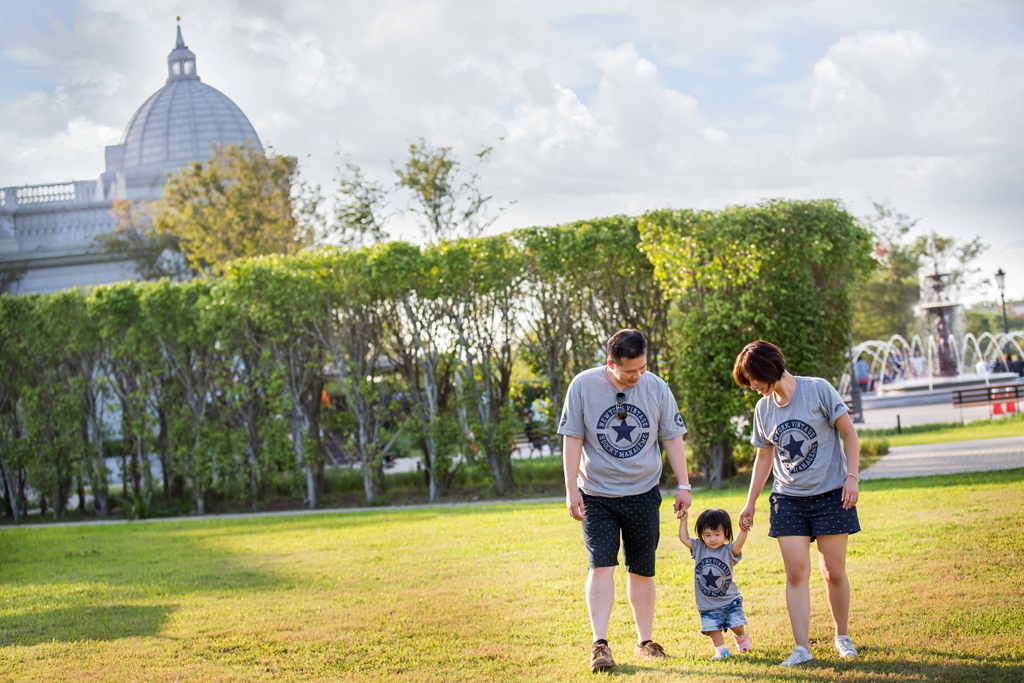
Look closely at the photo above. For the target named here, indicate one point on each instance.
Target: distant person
(863, 374)
(805, 437)
(981, 367)
(613, 418)
(1017, 365)
(917, 363)
(719, 602)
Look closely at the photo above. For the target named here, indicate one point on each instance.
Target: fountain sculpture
(943, 359)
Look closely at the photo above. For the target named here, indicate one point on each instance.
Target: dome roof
(179, 122)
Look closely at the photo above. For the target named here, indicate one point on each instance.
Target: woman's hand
(747, 517)
(851, 492)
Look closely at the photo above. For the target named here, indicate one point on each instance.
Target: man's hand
(684, 499)
(574, 501)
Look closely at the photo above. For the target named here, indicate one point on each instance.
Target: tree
(51, 409)
(156, 255)
(359, 210)
(952, 258)
(886, 301)
(253, 386)
(9, 277)
(483, 277)
(423, 347)
(174, 315)
(81, 353)
(447, 198)
(731, 277)
(277, 301)
(132, 369)
(351, 320)
(16, 335)
(239, 203)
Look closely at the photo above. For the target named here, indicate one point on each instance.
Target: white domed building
(47, 232)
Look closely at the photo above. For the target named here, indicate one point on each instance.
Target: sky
(592, 107)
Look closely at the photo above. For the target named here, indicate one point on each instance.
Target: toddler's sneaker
(845, 646)
(720, 655)
(800, 655)
(743, 643)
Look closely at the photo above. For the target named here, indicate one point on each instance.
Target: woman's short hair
(761, 361)
(713, 519)
(626, 345)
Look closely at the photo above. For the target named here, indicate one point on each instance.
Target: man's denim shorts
(723, 618)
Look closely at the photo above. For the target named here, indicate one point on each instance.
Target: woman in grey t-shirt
(804, 435)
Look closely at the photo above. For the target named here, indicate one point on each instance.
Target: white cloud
(35, 115)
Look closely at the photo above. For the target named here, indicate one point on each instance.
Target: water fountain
(969, 361)
(943, 360)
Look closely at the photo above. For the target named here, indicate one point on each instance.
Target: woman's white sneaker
(800, 655)
(845, 646)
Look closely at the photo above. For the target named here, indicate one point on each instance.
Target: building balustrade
(75, 192)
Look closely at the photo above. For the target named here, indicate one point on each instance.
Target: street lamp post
(1001, 283)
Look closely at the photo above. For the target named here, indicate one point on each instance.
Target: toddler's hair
(712, 519)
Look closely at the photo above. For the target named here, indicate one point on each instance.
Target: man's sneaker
(720, 655)
(845, 647)
(800, 655)
(650, 649)
(600, 657)
(743, 643)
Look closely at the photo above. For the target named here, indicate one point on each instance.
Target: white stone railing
(75, 192)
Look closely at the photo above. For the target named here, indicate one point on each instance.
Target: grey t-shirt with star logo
(713, 585)
(620, 457)
(809, 457)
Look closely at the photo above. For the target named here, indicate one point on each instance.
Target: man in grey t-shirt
(613, 418)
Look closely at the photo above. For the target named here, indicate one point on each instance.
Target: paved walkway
(908, 416)
(949, 458)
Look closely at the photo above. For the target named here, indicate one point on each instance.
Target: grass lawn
(495, 593)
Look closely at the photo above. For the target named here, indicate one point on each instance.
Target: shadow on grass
(944, 668)
(71, 624)
(992, 670)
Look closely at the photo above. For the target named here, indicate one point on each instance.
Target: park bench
(530, 441)
(1003, 398)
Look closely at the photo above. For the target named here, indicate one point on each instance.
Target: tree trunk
(254, 484)
(10, 494)
(374, 482)
(720, 464)
(163, 451)
(300, 427)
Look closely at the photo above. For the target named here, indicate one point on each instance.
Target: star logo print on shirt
(623, 438)
(796, 445)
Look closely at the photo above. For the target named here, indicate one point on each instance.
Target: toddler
(719, 602)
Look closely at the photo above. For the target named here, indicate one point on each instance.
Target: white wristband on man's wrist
(684, 487)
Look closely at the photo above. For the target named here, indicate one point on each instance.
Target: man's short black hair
(627, 345)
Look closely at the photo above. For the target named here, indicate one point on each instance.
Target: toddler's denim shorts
(723, 618)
